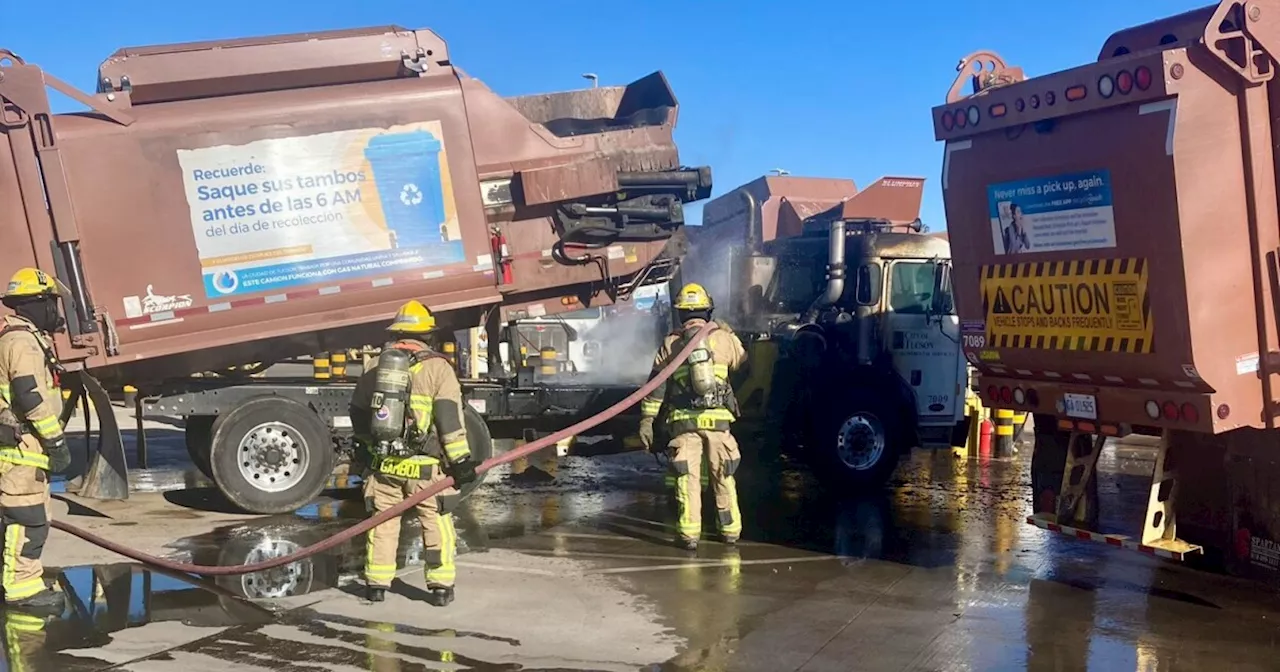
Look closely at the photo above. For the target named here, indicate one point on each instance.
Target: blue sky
(824, 88)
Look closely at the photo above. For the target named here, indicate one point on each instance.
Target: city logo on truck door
(1096, 305)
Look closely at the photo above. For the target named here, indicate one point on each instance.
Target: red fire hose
(398, 509)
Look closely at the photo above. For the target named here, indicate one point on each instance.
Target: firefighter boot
(439, 596)
(44, 602)
(377, 594)
(687, 544)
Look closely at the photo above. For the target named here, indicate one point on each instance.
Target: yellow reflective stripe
(15, 590)
(48, 427)
(457, 449)
(689, 528)
(650, 407)
(445, 573)
(422, 406)
(4, 392)
(406, 467)
(708, 414)
(24, 458)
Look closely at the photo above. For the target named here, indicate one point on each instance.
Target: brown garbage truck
(855, 359)
(258, 199)
(1116, 240)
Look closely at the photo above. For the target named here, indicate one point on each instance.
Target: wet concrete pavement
(568, 565)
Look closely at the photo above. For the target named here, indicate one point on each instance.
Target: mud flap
(106, 473)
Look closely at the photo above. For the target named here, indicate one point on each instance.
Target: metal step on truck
(1116, 241)
(259, 199)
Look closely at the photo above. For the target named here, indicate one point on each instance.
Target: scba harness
(402, 447)
(703, 399)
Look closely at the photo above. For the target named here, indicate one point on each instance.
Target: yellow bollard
(1019, 423)
(320, 366)
(547, 361)
(1004, 433)
(130, 396)
(339, 364)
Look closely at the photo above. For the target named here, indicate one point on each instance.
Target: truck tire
(855, 443)
(199, 436)
(271, 455)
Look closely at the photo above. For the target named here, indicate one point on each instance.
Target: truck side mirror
(943, 302)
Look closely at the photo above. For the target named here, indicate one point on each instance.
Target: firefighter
(407, 416)
(700, 406)
(31, 438)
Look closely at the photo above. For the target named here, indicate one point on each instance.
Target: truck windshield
(796, 284)
(911, 287)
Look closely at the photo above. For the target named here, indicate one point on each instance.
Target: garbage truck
(258, 199)
(1116, 241)
(854, 357)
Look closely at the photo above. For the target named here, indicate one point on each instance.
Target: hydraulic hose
(399, 509)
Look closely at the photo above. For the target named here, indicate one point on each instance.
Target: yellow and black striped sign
(1096, 305)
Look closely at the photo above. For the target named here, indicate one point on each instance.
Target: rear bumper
(1116, 406)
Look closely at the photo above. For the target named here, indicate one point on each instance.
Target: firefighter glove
(646, 433)
(463, 471)
(9, 435)
(59, 456)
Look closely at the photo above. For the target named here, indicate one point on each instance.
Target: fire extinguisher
(501, 254)
(984, 438)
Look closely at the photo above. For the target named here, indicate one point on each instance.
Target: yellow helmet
(693, 297)
(31, 282)
(413, 318)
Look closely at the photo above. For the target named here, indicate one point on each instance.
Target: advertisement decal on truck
(279, 213)
(1051, 214)
(1099, 305)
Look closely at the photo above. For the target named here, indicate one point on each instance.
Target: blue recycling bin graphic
(406, 170)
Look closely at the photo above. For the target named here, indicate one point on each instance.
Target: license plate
(1083, 406)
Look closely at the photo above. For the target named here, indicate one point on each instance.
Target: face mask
(44, 314)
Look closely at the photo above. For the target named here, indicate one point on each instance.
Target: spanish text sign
(1048, 214)
(1096, 305)
(278, 213)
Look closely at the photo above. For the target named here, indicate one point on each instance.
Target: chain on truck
(1138, 194)
(419, 183)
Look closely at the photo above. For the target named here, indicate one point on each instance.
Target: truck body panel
(1123, 294)
(285, 195)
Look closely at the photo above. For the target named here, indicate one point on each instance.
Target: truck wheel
(856, 444)
(480, 441)
(199, 435)
(271, 455)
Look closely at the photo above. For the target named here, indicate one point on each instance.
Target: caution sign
(1097, 305)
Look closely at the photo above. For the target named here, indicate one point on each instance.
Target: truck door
(925, 348)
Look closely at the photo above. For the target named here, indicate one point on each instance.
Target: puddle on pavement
(944, 550)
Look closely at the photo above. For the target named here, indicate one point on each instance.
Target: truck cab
(844, 304)
(882, 347)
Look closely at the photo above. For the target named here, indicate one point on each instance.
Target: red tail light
(1124, 82)
(1190, 413)
(993, 393)
(1170, 411)
(1142, 77)
(1006, 395)
(960, 118)
(948, 121)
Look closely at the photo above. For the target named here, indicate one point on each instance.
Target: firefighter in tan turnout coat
(407, 414)
(700, 408)
(31, 439)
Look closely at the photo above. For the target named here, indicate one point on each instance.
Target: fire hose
(399, 509)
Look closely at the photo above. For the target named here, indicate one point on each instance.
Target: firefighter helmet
(693, 297)
(413, 318)
(32, 282)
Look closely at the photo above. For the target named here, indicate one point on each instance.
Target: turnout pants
(439, 540)
(24, 511)
(723, 458)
